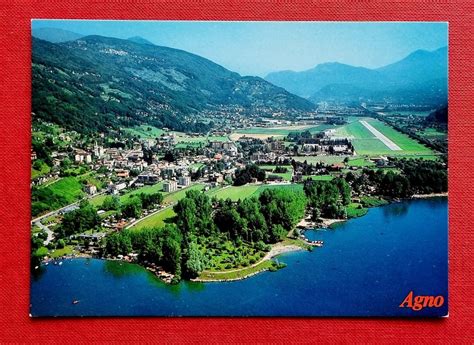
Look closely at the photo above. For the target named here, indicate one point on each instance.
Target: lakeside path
(432, 195)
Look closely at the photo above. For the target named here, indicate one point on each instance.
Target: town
(134, 178)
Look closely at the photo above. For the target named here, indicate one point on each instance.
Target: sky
(258, 48)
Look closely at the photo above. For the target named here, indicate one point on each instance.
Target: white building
(170, 186)
(91, 189)
(184, 181)
(116, 188)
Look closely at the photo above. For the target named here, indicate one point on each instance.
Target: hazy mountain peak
(55, 35)
(139, 39)
(422, 72)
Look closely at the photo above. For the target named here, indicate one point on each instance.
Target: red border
(14, 176)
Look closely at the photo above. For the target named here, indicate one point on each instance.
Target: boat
(76, 301)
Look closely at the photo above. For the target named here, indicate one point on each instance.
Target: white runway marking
(390, 144)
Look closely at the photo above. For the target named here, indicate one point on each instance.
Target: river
(367, 267)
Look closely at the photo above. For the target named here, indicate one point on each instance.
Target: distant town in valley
(155, 156)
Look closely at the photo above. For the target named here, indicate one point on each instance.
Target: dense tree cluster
(266, 219)
(136, 204)
(416, 176)
(80, 220)
(244, 176)
(424, 176)
(328, 198)
(159, 245)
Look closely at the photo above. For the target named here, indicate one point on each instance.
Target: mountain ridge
(55, 35)
(418, 67)
(107, 82)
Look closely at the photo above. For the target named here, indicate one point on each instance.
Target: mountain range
(97, 83)
(421, 77)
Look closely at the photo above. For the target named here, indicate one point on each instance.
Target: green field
(289, 187)
(145, 131)
(241, 192)
(270, 168)
(156, 220)
(319, 177)
(44, 169)
(355, 210)
(360, 162)
(69, 187)
(432, 133)
(235, 193)
(158, 187)
(217, 138)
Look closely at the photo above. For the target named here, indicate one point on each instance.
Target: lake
(367, 267)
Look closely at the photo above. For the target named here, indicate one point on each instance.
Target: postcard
(205, 168)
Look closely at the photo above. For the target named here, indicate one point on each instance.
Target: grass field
(270, 168)
(264, 265)
(156, 220)
(432, 133)
(241, 192)
(355, 210)
(360, 162)
(69, 187)
(289, 187)
(145, 131)
(43, 169)
(158, 187)
(319, 177)
(217, 138)
(235, 193)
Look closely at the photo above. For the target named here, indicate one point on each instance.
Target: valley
(157, 156)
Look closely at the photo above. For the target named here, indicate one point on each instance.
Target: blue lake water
(366, 268)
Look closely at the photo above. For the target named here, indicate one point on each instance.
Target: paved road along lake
(367, 267)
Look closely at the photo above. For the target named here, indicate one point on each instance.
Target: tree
(133, 208)
(111, 203)
(169, 156)
(186, 214)
(80, 220)
(172, 250)
(195, 262)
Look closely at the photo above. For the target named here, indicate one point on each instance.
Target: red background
(15, 325)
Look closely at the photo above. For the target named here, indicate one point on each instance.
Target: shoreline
(276, 249)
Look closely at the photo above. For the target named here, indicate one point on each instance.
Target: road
(47, 230)
(52, 213)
